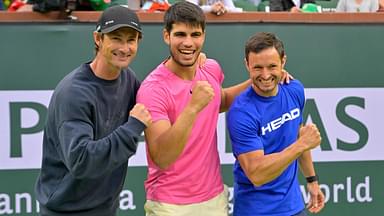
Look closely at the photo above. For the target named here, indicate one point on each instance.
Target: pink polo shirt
(195, 176)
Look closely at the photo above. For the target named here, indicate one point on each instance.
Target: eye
(196, 34)
(273, 67)
(179, 34)
(115, 38)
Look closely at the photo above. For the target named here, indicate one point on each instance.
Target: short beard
(181, 64)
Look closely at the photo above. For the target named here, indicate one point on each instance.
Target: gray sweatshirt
(87, 141)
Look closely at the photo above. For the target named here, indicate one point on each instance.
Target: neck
(104, 71)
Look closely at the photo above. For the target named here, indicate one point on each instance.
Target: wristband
(311, 179)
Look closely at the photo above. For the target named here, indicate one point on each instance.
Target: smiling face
(185, 43)
(265, 70)
(117, 49)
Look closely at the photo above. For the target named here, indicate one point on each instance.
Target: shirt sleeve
(85, 154)
(243, 133)
(299, 93)
(89, 158)
(154, 99)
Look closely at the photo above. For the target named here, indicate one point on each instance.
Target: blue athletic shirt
(270, 124)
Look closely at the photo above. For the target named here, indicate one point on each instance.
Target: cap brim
(113, 28)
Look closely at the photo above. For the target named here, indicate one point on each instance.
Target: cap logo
(109, 22)
(134, 23)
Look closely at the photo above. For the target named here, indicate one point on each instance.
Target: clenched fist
(310, 136)
(202, 94)
(140, 112)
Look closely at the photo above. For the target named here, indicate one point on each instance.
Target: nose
(126, 47)
(264, 73)
(188, 41)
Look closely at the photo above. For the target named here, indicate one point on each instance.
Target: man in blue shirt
(268, 140)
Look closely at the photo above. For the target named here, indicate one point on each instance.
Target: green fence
(341, 66)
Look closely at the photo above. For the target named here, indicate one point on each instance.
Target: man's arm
(87, 157)
(306, 165)
(317, 201)
(229, 94)
(261, 168)
(166, 141)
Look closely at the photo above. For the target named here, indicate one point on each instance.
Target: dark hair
(261, 41)
(184, 12)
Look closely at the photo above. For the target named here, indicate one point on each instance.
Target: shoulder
(295, 89)
(242, 101)
(156, 78)
(293, 85)
(213, 68)
(130, 78)
(244, 112)
(212, 64)
(156, 84)
(76, 85)
(129, 73)
(296, 84)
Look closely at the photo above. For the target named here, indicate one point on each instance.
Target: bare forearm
(306, 164)
(229, 94)
(169, 145)
(266, 168)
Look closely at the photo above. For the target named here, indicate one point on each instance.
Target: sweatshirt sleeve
(88, 158)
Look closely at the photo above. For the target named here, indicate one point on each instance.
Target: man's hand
(309, 136)
(218, 8)
(140, 112)
(316, 201)
(295, 10)
(201, 59)
(286, 77)
(202, 94)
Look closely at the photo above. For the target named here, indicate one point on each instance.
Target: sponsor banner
(22, 116)
(349, 120)
(348, 190)
(350, 123)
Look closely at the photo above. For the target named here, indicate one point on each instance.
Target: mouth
(187, 52)
(268, 81)
(121, 55)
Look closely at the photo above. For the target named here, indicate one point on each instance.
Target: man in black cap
(93, 125)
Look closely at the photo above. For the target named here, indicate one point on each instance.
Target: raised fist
(202, 94)
(310, 136)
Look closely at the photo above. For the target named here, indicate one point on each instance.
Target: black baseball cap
(118, 16)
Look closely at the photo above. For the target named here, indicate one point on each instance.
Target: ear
(283, 61)
(246, 64)
(166, 36)
(97, 38)
(203, 36)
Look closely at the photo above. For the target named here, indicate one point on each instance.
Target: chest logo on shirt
(275, 124)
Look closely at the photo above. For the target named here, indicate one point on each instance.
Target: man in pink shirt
(184, 101)
(184, 176)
